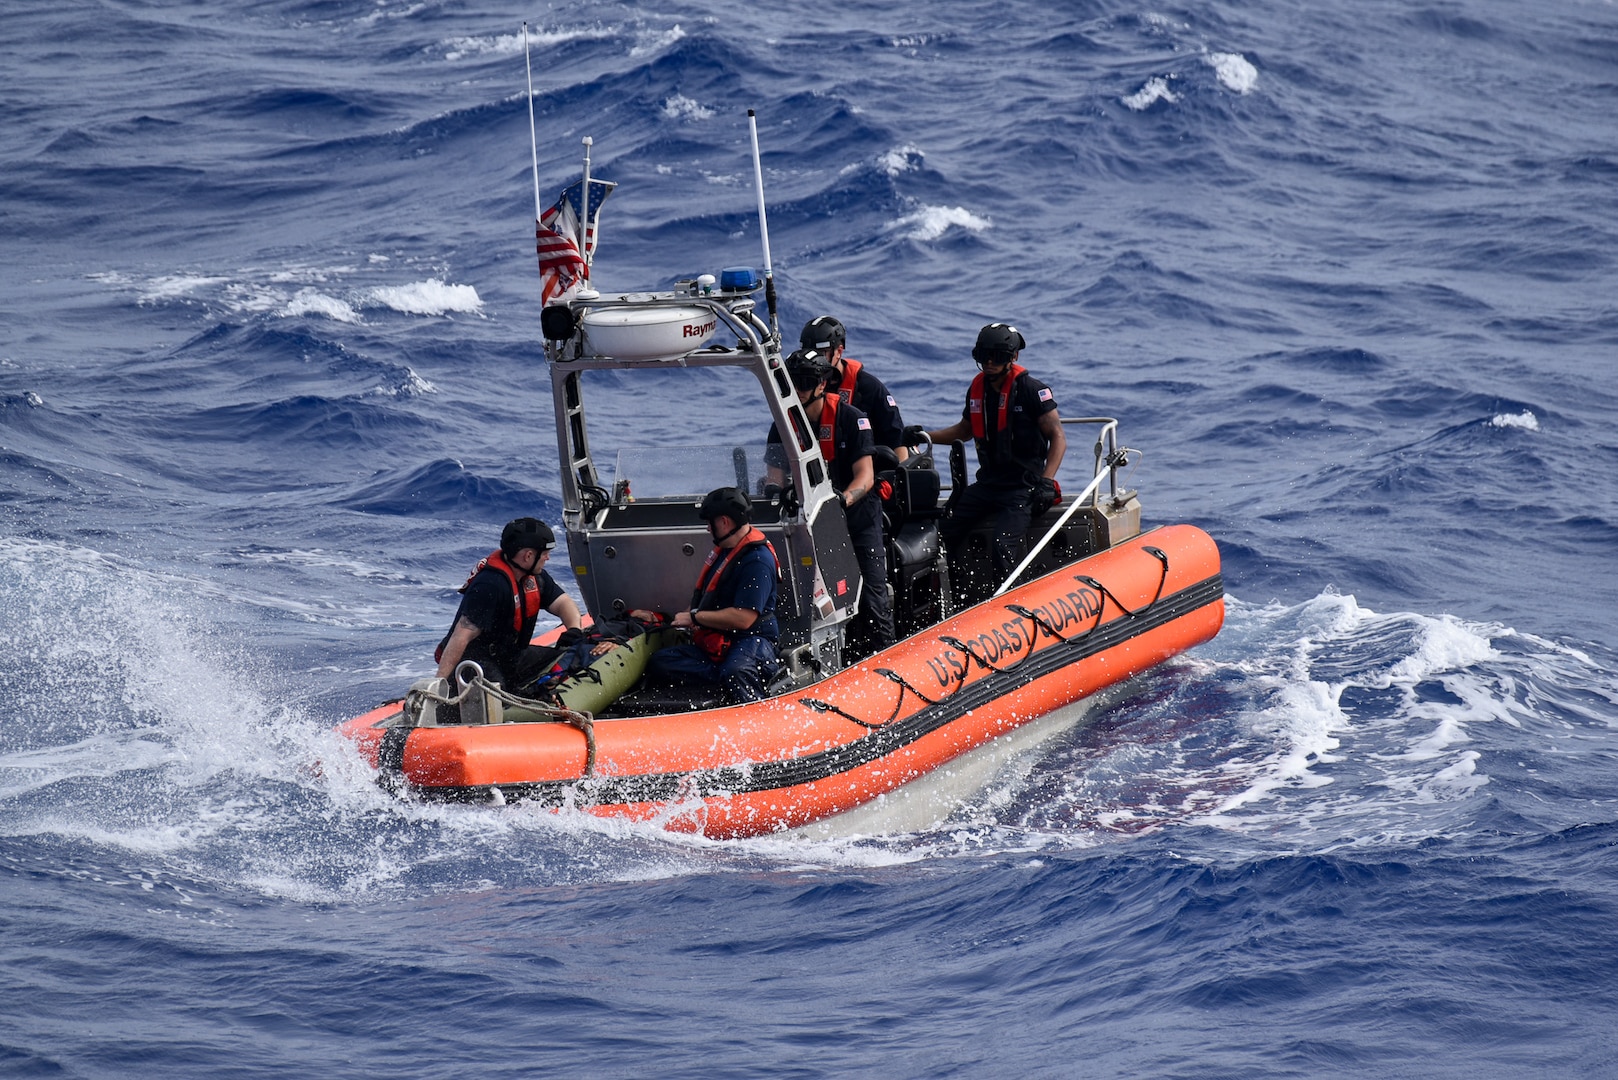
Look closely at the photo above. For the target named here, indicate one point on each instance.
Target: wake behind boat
(1095, 602)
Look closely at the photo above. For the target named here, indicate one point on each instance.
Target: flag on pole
(565, 238)
(561, 267)
(599, 190)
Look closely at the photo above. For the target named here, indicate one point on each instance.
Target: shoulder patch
(891, 403)
(865, 423)
(1045, 394)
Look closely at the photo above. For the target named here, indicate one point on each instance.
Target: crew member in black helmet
(501, 602)
(845, 442)
(732, 615)
(855, 384)
(1011, 418)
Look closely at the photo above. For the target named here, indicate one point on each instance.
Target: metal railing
(1109, 458)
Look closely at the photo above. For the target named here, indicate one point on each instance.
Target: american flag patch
(864, 424)
(891, 403)
(1045, 394)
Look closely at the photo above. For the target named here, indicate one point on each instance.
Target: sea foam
(1155, 90)
(1234, 71)
(432, 297)
(931, 222)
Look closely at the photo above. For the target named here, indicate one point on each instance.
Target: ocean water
(269, 385)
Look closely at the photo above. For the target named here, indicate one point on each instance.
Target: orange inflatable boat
(835, 744)
(1095, 601)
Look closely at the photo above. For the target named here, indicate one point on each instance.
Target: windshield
(643, 473)
(674, 434)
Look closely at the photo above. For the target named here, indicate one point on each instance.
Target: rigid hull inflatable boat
(823, 748)
(1095, 602)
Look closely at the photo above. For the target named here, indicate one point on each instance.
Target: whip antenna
(763, 227)
(586, 241)
(533, 135)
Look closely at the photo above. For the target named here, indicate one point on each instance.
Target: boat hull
(827, 748)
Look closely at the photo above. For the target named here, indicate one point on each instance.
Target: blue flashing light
(742, 279)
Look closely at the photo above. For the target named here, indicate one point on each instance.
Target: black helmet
(998, 340)
(526, 532)
(808, 369)
(731, 502)
(823, 335)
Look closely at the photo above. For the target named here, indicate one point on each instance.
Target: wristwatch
(693, 616)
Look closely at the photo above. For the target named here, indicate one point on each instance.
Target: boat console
(632, 377)
(633, 534)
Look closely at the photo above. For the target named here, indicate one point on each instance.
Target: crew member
(732, 615)
(845, 442)
(1011, 417)
(855, 384)
(501, 602)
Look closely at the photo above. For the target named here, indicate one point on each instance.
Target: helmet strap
(719, 541)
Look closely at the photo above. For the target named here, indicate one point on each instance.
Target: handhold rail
(1109, 458)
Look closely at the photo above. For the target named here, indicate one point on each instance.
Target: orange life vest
(716, 643)
(851, 373)
(524, 589)
(828, 426)
(975, 395)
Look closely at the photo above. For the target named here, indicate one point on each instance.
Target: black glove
(913, 434)
(1046, 494)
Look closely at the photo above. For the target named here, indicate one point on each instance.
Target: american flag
(565, 250)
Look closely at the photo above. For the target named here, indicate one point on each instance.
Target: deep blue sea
(270, 383)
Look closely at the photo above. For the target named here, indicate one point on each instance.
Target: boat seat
(916, 544)
(916, 488)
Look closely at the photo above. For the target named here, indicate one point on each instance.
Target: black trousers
(1005, 510)
(871, 550)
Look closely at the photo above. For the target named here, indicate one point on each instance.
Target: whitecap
(462, 48)
(1234, 71)
(931, 222)
(249, 296)
(650, 43)
(1155, 90)
(1524, 420)
(413, 385)
(176, 287)
(314, 302)
(410, 11)
(680, 107)
(900, 159)
(1445, 644)
(432, 297)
